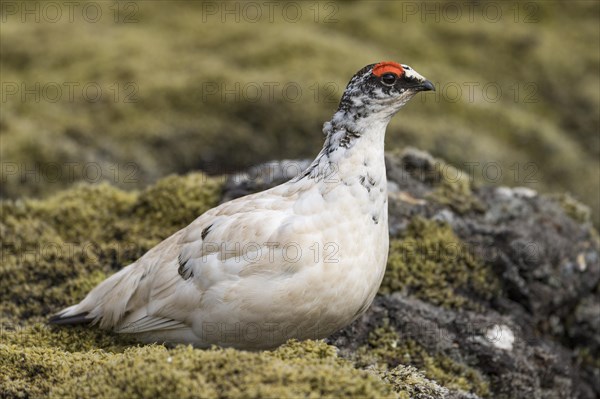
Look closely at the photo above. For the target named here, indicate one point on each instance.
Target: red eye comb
(388, 66)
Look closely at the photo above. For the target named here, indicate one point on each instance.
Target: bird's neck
(353, 149)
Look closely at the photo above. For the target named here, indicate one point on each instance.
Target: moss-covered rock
(410, 383)
(430, 262)
(387, 350)
(573, 208)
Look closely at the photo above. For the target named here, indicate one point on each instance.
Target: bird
(301, 260)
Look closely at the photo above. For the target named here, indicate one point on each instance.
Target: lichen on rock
(388, 350)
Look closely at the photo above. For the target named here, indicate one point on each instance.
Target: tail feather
(81, 318)
(106, 303)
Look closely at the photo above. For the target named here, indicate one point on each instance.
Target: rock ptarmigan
(300, 260)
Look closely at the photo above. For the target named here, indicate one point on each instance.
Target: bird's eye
(389, 78)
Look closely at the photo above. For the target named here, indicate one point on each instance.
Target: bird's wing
(162, 288)
(234, 241)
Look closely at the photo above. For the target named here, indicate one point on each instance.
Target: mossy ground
(41, 361)
(536, 123)
(430, 262)
(54, 251)
(36, 363)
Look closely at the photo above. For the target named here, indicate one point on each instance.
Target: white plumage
(300, 260)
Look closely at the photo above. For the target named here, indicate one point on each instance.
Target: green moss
(431, 263)
(174, 202)
(573, 208)
(80, 286)
(307, 350)
(387, 350)
(55, 250)
(155, 371)
(452, 187)
(410, 383)
(86, 212)
(69, 339)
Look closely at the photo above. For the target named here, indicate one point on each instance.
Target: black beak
(426, 86)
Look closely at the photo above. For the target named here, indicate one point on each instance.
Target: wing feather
(149, 323)
(161, 289)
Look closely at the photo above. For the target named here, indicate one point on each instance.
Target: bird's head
(382, 89)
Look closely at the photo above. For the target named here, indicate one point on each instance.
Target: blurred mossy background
(124, 93)
(131, 91)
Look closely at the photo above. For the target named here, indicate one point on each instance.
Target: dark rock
(262, 177)
(521, 367)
